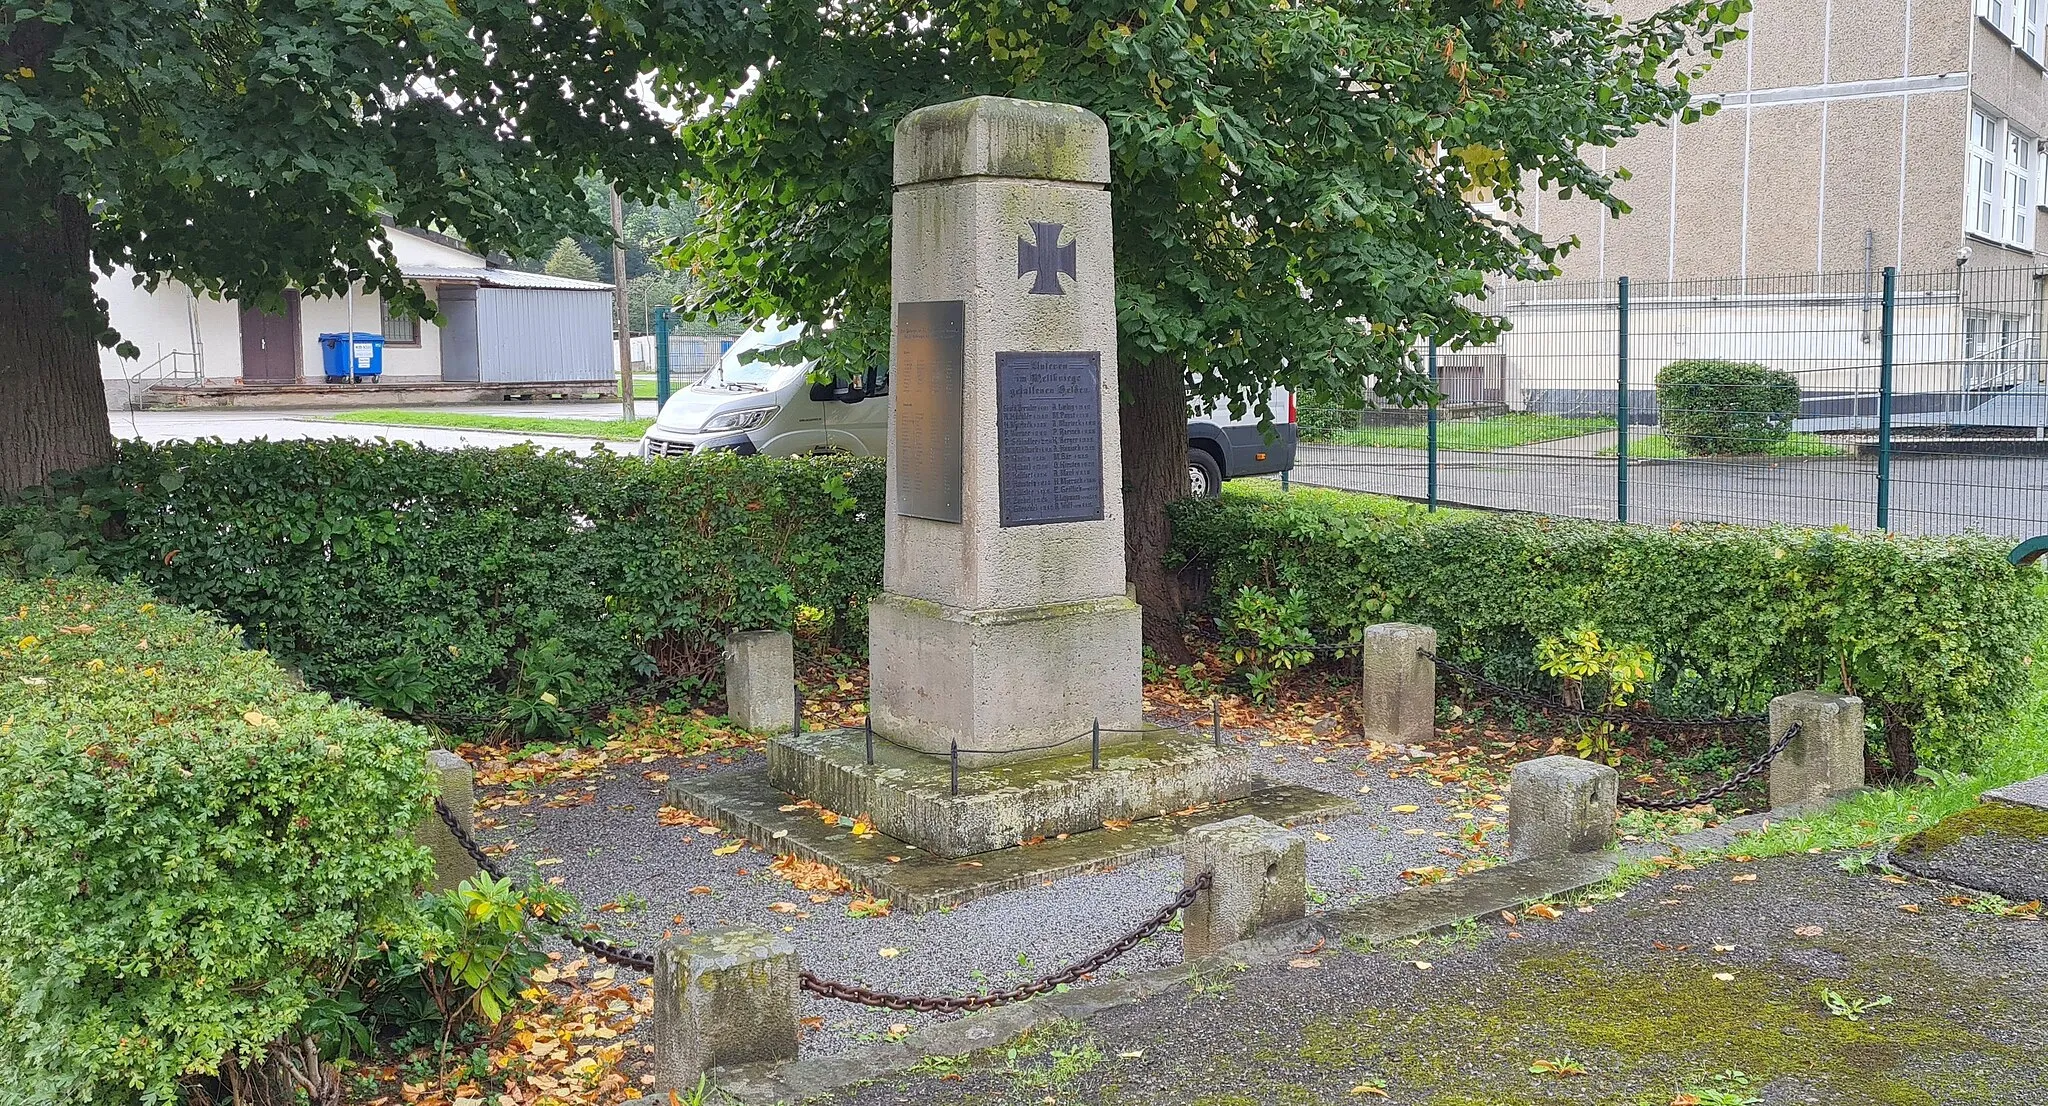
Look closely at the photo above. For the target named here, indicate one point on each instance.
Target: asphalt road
(1707, 986)
(1939, 494)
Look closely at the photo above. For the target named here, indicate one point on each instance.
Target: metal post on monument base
(796, 724)
(867, 725)
(953, 767)
(1095, 746)
(1216, 722)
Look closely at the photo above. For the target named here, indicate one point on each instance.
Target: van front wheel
(1205, 476)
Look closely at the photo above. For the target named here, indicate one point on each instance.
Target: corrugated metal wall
(533, 334)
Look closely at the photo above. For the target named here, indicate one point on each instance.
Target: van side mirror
(824, 391)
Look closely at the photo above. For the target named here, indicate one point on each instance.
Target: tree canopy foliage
(1300, 190)
(246, 148)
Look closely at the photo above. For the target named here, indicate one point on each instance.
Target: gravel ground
(609, 848)
(1655, 999)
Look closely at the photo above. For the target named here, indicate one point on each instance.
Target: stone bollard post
(1560, 805)
(1399, 700)
(760, 673)
(1259, 878)
(455, 786)
(723, 997)
(1827, 756)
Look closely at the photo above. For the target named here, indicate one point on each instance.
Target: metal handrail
(172, 357)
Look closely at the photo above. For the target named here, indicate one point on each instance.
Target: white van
(774, 410)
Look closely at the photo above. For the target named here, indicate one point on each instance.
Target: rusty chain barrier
(928, 1004)
(1749, 771)
(607, 951)
(614, 953)
(1495, 687)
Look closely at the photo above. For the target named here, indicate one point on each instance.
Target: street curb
(1404, 914)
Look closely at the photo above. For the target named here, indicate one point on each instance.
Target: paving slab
(1999, 848)
(2033, 793)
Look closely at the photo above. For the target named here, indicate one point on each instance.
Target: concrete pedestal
(1003, 683)
(1004, 623)
(911, 796)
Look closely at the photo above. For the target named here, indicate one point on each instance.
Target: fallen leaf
(1725, 977)
(1423, 965)
(1810, 931)
(727, 849)
(1746, 877)
(1404, 808)
(868, 908)
(700, 889)
(1304, 962)
(1544, 911)
(1909, 908)
(1368, 1088)
(888, 954)
(784, 907)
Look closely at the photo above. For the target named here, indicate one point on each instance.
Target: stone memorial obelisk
(1004, 623)
(1005, 641)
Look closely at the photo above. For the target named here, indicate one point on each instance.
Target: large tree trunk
(1154, 422)
(53, 408)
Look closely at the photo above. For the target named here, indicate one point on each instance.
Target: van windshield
(756, 375)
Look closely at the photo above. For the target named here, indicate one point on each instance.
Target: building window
(399, 330)
(2004, 183)
(1983, 179)
(2020, 21)
(2020, 164)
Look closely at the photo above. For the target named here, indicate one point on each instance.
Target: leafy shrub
(509, 589)
(465, 954)
(1721, 407)
(1583, 659)
(1266, 636)
(1932, 631)
(1323, 423)
(190, 843)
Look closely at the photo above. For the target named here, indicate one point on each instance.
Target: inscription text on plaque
(1049, 437)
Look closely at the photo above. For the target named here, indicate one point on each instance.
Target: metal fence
(1915, 402)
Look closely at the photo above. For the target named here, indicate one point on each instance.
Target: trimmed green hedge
(1725, 407)
(1933, 632)
(191, 845)
(504, 585)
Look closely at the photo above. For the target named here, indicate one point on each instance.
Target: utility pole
(619, 314)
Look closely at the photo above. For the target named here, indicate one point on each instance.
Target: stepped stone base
(910, 795)
(1999, 846)
(912, 879)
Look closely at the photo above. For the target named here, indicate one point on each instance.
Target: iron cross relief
(1046, 257)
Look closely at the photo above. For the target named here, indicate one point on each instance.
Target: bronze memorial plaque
(928, 385)
(1049, 437)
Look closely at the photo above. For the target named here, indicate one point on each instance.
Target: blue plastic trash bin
(369, 357)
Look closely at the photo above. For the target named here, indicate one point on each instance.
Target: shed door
(270, 344)
(458, 332)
